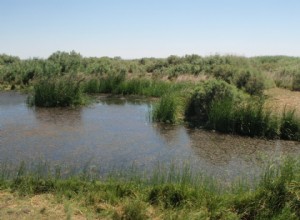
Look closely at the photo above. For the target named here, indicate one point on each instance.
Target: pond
(114, 133)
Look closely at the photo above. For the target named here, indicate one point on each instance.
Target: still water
(114, 133)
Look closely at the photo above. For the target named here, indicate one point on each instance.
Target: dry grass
(44, 206)
(48, 206)
(278, 99)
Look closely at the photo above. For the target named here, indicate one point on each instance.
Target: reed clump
(57, 93)
(289, 126)
(168, 109)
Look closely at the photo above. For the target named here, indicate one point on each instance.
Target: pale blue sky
(150, 28)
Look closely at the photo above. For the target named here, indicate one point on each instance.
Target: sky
(150, 28)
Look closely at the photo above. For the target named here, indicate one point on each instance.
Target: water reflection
(59, 116)
(120, 100)
(170, 134)
(11, 99)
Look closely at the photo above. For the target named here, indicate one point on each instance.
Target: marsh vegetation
(220, 93)
(223, 93)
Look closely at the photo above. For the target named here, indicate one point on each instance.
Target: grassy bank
(163, 194)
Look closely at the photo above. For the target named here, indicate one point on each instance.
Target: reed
(170, 108)
(290, 126)
(248, 119)
(57, 93)
(252, 120)
(116, 84)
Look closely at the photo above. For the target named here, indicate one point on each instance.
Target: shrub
(242, 78)
(224, 72)
(251, 82)
(255, 85)
(204, 96)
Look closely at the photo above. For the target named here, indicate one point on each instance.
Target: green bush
(204, 96)
(255, 85)
(251, 82)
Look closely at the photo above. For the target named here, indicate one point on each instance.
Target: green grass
(169, 193)
(117, 84)
(171, 107)
(290, 126)
(57, 93)
(249, 119)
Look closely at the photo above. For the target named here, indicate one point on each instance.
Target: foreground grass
(41, 206)
(167, 194)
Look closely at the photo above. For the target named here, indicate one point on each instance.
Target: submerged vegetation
(164, 194)
(223, 93)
